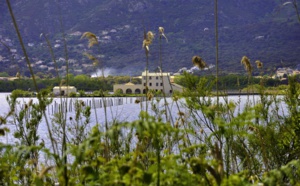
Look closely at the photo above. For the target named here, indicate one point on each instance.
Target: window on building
(144, 84)
(144, 78)
(157, 84)
(156, 77)
(150, 77)
(150, 84)
(161, 84)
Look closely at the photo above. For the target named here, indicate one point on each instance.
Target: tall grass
(217, 47)
(148, 38)
(214, 140)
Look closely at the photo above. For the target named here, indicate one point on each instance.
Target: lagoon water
(122, 109)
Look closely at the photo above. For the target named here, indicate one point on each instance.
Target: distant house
(3, 78)
(129, 88)
(156, 81)
(63, 90)
(283, 73)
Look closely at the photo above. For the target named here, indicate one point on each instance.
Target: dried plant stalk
(92, 38)
(199, 62)
(148, 38)
(259, 64)
(247, 65)
(161, 32)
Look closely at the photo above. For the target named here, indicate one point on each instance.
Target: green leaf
(147, 178)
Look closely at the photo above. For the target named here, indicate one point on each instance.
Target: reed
(199, 62)
(92, 38)
(212, 142)
(161, 31)
(259, 64)
(148, 38)
(245, 61)
(217, 47)
(93, 41)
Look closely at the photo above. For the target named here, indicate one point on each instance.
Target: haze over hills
(262, 30)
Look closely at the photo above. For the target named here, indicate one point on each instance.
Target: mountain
(267, 30)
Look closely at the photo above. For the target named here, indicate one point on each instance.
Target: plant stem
(162, 80)
(217, 49)
(64, 124)
(22, 44)
(158, 160)
(30, 69)
(146, 88)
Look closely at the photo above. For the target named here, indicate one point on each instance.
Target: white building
(63, 90)
(283, 73)
(156, 81)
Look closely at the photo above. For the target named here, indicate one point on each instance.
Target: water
(120, 109)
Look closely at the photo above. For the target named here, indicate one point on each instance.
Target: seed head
(148, 38)
(150, 95)
(92, 38)
(161, 32)
(93, 58)
(259, 64)
(247, 65)
(180, 113)
(199, 62)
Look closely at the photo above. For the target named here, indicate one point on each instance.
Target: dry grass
(148, 38)
(259, 64)
(161, 32)
(199, 62)
(92, 58)
(92, 38)
(247, 65)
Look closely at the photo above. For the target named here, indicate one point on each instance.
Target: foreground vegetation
(207, 142)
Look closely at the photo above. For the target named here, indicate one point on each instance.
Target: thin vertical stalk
(158, 159)
(295, 4)
(146, 42)
(103, 96)
(146, 87)
(162, 80)
(180, 116)
(22, 45)
(104, 100)
(56, 70)
(52, 56)
(64, 124)
(217, 50)
(30, 68)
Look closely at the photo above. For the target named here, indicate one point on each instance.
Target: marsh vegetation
(208, 142)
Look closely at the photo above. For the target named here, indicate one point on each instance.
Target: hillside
(263, 30)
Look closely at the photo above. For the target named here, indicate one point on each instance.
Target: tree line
(86, 83)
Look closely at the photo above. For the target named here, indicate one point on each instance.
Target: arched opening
(144, 91)
(128, 91)
(137, 91)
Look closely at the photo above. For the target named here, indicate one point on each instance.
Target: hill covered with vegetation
(265, 30)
